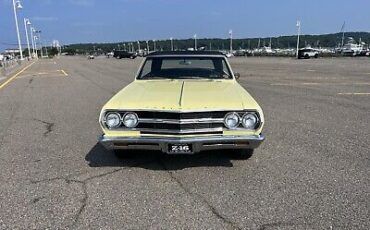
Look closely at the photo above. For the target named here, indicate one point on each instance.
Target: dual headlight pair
(248, 120)
(114, 120)
(232, 120)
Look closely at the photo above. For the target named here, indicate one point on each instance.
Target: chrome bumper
(198, 143)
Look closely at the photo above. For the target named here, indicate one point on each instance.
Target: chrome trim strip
(185, 131)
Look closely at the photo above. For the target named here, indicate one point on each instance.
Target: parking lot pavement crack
(214, 211)
(83, 201)
(49, 126)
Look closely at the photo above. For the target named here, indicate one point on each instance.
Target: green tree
(53, 51)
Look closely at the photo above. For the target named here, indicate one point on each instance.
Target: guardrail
(7, 66)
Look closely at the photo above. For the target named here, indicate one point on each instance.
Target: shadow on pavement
(98, 156)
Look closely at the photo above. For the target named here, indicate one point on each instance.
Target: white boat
(352, 48)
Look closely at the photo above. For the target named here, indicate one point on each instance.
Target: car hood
(183, 95)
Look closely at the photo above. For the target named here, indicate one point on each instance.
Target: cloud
(44, 19)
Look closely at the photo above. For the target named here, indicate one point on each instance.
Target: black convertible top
(175, 53)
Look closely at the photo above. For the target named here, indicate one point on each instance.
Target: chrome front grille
(180, 123)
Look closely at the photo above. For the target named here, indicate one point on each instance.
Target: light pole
(154, 48)
(299, 32)
(171, 38)
(40, 42)
(147, 46)
(33, 42)
(17, 6)
(231, 41)
(27, 22)
(35, 39)
(195, 42)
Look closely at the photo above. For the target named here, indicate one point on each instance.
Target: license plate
(180, 148)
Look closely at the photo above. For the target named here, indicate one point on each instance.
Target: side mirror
(237, 76)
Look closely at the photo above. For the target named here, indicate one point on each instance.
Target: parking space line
(321, 83)
(16, 75)
(367, 94)
(53, 73)
(64, 72)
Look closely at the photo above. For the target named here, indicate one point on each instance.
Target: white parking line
(16, 75)
(354, 94)
(321, 83)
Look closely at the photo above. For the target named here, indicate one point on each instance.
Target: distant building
(12, 52)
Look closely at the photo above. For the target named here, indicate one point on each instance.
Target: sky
(88, 21)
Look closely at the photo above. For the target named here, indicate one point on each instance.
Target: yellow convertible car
(182, 103)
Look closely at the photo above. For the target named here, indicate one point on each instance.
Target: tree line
(280, 42)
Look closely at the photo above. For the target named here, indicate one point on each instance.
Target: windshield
(185, 68)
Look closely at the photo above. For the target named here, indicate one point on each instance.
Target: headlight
(250, 121)
(130, 120)
(232, 120)
(113, 120)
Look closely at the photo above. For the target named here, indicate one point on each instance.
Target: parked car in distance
(183, 102)
(91, 57)
(110, 54)
(308, 53)
(124, 54)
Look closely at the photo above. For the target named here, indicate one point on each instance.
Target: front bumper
(198, 143)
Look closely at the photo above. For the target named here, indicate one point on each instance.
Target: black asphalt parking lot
(312, 172)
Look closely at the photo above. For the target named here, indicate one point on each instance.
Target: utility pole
(298, 34)
(171, 38)
(195, 42)
(231, 41)
(147, 46)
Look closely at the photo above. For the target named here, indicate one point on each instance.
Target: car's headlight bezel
(236, 116)
(250, 115)
(119, 120)
(132, 114)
